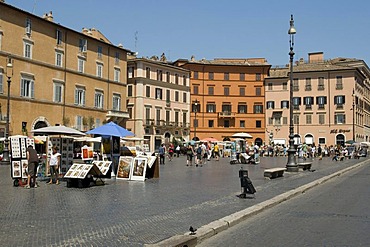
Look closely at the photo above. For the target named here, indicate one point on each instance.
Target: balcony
(339, 86)
(308, 107)
(308, 88)
(226, 114)
(321, 107)
(320, 87)
(339, 107)
(295, 107)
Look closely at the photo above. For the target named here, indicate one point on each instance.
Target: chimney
(316, 57)
(48, 16)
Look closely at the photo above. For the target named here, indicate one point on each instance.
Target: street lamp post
(9, 74)
(291, 165)
(195, 119)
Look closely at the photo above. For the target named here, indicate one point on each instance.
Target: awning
(279, 141)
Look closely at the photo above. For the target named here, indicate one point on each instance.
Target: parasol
(110, 129)
(58, 130)
(242, 135)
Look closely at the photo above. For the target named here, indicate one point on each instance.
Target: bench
(274, 172)
(305, 165)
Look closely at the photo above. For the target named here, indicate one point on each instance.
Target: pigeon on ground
(192, 230)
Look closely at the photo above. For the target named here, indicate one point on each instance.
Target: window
(195, 75)
(168, 95)
(59, 59)
(211, 90)
(269, 86)
(1, 83)
(147, 91)
(258, 91)
(285, 85)
(242, 76)
(176, 118)
(168, 77)
(176, 79)
(147, 115)
(159, 75)
(309, 119)
(339, 118)
(158, 116)
(184, 117)
(321, 101)
(210, 76)
(177, 96)
(58, 92)
(296, 102)
(28, 26)
(195, 89)
(80, 96)
(226, 76)
(117, 74)
(270, 105)
(158, 93)
(129, 91)
(211, 123)
(79, 121)
(184, 95)
(308, 101)
(184, 80)
(27, 87)
(59, 37)
(99, 99)
(116, 102)
(168, 117)
(130, 72)
(242, 123)
(242, 91)
(81, 65)
(296, 119)
(129, 110)
(258, 76)
(322, 140)
(284, 104)
(258, 123)
(211, 107)
(257, 109)
(295, 85)
(147, 72)
(226, 108)
(242, 108)
(321, 85)
(116, 58)
(82, 45)
(27, 52)
(339, 100)
(99, 70)
(308, 84)
(226, 91)
(100, 52)
(321, 119)
(226, 123)
(339, 84)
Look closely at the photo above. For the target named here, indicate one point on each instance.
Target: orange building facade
(227, 97)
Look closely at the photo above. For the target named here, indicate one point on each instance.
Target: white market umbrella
(58, 130)
(242, 135)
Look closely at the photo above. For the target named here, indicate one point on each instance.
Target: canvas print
(16, 165)
(139, 168)
(24, 164)
(124, 167)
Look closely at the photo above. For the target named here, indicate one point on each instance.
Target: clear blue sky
(220, 28)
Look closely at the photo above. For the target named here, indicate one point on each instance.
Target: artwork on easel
(139, 168)
(124, 167)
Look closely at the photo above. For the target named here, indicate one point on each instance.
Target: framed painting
(139, 168)
(124, 167)
(16, 169)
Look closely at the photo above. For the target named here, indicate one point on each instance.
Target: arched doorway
(40, 124)
(167, 137)
(258, 141)
(340, 139)
(308, 139)
(297, 139)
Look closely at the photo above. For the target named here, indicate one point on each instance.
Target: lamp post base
(292, 165)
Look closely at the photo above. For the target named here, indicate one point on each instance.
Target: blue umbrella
(110, 129)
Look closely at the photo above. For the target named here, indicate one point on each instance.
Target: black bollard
(246, 184)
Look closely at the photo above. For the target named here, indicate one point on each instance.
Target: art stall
(18, 159)
(137, 168)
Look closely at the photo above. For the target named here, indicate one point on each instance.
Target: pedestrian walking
(54, 163)
(33, 161)
(161, 152)
(198, 160)
(178, 149)
(216, 151)
(189, 155)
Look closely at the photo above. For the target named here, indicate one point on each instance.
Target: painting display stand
(83, 175)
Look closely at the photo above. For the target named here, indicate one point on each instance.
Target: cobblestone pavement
(132, 213)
